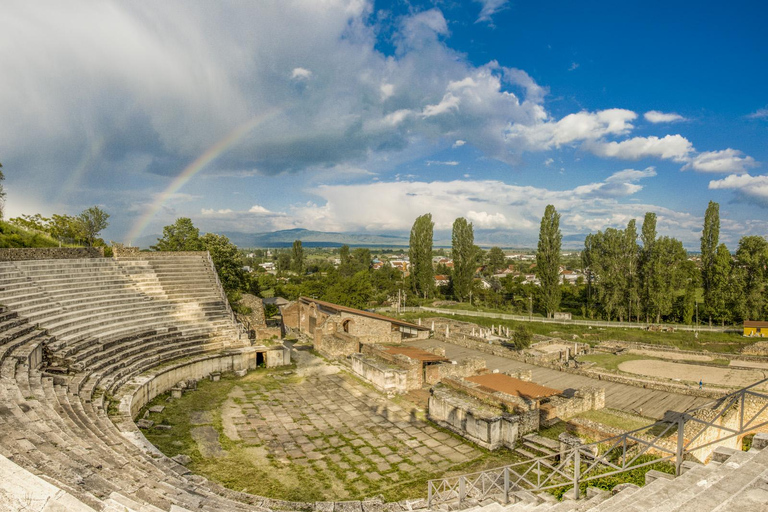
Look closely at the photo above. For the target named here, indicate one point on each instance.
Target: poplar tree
(548, 259)
(752, 257)
(709, 241)
(648, 237)
(464, 257)
(420, 255)
(630, 260)
(297, 258)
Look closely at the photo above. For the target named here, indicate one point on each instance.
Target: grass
(611, 361)
(616, 419)
(12, 236)
(723, 342)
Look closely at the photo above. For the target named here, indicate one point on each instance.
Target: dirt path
(726, 376)
(679, 356)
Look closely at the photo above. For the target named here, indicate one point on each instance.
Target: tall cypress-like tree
(548, 259)
(297, 258)
(464, 257)
(752, 257)
(631, 255)
(710, 237)
(420, 254)
(648, 237)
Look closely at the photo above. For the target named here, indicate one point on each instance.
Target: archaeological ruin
(90, 344)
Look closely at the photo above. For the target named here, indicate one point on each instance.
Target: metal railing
(592, 323)
(695, 431)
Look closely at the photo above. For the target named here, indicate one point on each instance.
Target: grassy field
(725, 342)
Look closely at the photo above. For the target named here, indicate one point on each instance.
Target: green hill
(12, 236)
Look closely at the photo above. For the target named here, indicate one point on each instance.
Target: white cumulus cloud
(723, 161)
(748, 188)
(654, 116)
(670, 147)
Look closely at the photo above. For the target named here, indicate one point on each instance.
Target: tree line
(628, 276)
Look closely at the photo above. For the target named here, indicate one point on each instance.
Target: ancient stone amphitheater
(86, 342)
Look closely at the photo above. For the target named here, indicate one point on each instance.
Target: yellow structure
(752, 328)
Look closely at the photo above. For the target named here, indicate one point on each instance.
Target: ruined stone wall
(279, 356)
(486, 426)
(412, 367)
(434, 373)
(497, 399)
(336, 345)
(564, 408)
(368, 330)
(51, 253)
(290, 314)
(384, 377)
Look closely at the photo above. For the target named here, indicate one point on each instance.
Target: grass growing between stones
(250, 434)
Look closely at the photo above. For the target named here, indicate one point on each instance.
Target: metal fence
(670, 440)
(527, 318)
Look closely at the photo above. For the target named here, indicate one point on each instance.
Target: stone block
(145, 423)
(760, 441)
(241, 373)
(176, 392)
(157, 408)
(182, 459)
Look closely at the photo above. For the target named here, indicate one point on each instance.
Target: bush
(522, 337)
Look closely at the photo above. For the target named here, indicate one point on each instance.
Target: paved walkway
(338, 429)
(648, 402)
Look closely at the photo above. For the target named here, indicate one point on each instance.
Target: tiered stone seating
(111, 320)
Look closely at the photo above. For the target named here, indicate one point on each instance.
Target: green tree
(721, 299)
(283, 261)
(587, 265)
(548, 259)
(182, 235)
(360, 259)
(522, 337)
(228, 262)
(345, 268)
(630, 258)
(464, 258)
(92, 221)
(64, 228)
(297, 258)
(668, 258)
(497, 260)
(709, 241)
(648, 238)
(420, 255)
(752, 257)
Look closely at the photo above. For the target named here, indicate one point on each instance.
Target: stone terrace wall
(51, 253)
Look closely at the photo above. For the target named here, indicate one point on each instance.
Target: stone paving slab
(335, 425)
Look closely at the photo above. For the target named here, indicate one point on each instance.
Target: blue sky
(351, 115)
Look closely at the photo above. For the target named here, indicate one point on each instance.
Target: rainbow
(192, 169)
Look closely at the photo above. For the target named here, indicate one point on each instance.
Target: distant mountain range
(309, 238)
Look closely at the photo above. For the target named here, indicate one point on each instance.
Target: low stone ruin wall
(336, 345)
(382, 376)
(435, 373)
(51, 253)
(565, 408)
(487, 426)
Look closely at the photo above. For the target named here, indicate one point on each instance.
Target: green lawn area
(611, 361)
(724, 342)
(616, 419)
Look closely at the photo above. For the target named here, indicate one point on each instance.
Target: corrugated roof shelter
(492, 382)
